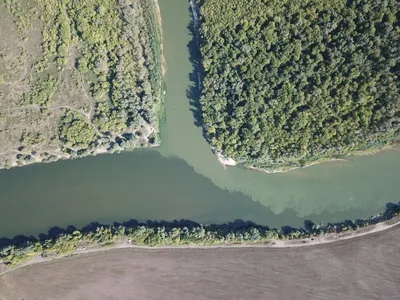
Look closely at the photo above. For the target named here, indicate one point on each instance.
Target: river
(183, 179)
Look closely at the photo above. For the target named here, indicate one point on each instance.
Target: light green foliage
(120, 45)
(31, 138)
(64, 34)
(134, 67)
(288, 82)
(23, 16)
(42, 91)
(75, 131)
(109, 121)
(98, 27)
(56, 33)
(50, 9)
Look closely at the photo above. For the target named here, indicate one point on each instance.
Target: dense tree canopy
(288, 82)
(76, 131)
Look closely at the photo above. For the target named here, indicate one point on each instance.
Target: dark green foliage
(289, 82)
(75, 131)
(171, 233)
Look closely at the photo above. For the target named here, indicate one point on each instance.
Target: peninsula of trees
(286, 83)
(77, 78)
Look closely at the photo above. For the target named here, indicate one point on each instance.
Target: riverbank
(227, 161)
(358, 269)
(159, 20)
(127, 243)
(59, 243)
(288, 169)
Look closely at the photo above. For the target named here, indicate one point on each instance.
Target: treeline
(289, 82)
(63, 241)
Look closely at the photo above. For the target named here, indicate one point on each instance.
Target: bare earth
(361, 268)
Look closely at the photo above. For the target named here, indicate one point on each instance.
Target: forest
(88, 74)
(286, 83)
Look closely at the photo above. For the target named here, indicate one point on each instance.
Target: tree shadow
(309, 225)
(193, 92)
(310, 228)
(391, 210)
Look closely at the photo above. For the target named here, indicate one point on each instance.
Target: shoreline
(276, 243)
(163, 60)
(160, 109)
(226, 161)
(296, 168)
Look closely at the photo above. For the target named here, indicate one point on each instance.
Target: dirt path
(87, 115)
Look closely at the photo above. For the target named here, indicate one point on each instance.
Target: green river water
(183, 179)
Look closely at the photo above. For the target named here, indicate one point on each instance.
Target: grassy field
(361, 268)
(77, 78)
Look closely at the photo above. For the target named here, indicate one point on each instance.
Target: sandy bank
(226, 161)
(231, 162)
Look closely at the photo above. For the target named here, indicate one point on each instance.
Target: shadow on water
(392, 210)
(390, 207)
(193, 91)
(141, 185)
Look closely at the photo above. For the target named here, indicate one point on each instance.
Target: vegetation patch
(286, 83)
(85, 74)
(76, 132)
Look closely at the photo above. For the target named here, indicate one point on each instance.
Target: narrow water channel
(183, 179)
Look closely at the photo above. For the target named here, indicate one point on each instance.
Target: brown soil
(360, 268)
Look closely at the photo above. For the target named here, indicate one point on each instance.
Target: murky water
(183, 179)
